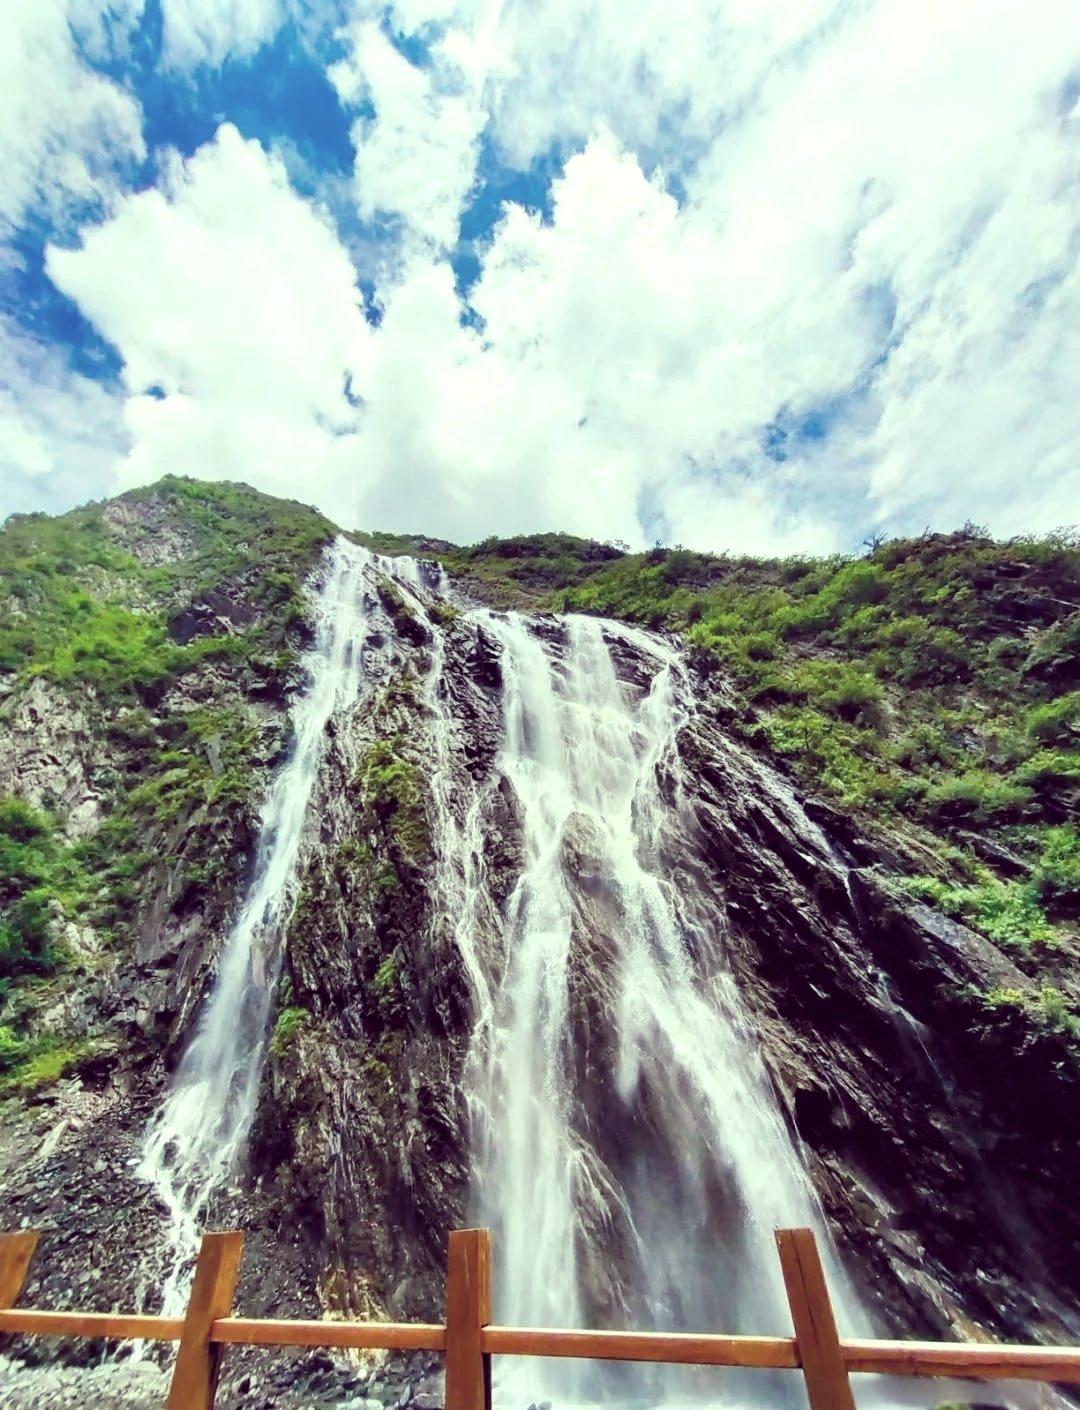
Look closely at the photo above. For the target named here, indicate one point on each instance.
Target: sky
(763, 276)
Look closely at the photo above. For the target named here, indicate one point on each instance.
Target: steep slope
(919, 1068)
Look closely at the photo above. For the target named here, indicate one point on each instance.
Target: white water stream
(200, 1129)
(708, 1170)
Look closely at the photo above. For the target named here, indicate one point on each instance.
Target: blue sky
(773, 278)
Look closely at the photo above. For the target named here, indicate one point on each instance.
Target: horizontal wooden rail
(469, 1340)
(669, 1347)
(112, 1326)
(972, 1361)
(383, 1336)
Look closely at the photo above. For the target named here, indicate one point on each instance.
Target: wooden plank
(820, 1354)
(393, 1336)
(974, 1360)
(194, 1379)
(16, 1251)
(778, 1353)
(113, 1326)
(468, 1311)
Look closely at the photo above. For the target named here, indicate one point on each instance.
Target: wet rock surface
(925, 1142)
(47, 755)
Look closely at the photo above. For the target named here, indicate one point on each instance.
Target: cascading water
(627, 1147)
(684, 1204)
(199, 1130)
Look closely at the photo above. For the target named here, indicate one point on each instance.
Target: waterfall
(196, 1135)
(669, 1219)
(627, 1147)
(659, 1208)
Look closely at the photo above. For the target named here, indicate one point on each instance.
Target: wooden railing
(468, 1340)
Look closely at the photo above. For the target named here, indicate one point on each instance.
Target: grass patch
(27, 1066)
(1045, 1012)
(286, 1025)
(391, 788)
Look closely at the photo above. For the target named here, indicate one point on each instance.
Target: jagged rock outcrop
(47, 755)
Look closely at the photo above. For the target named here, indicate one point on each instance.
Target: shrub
(1056, 721)
(1053, 653)
(43, 1062)
(20, 822)
(1047, 1010)
(978, 794)
(761, 646)
(12, 1048)
(1057, 874)
(1048, 766)
(839, 688)
(386, 986)
(288, 1021)
(1006, 912)
(842, 758)
(391, 788)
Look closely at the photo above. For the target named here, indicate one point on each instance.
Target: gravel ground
(143, 1385)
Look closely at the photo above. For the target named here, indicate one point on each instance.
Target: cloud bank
(768, 279)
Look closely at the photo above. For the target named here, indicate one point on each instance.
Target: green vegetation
(1056, 877)
(923, 677)
(285, 1026)
(445, 614)
(234, 531)
(1016, 914)
(26, 1065)
(200, 757)
(79, 609)
(391, 789)
(386, 986)
(40, 875)
(46, 880)
(394, 600)
(1007, 913)
(1038, 1014)
(530, 571)
(928, 684)
(386, 976)
(112, 606)
(978, 794)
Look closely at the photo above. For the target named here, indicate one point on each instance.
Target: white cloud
(598, 375)
(416, 158)
(876, 237)
(234, 308)
(211, 31)
(104, 30)
(956, 192)
(862, 183)
(65, 130)
(60, 433)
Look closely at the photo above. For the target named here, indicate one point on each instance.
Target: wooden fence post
(16, 1251)
(468, 1310)
(194, 1378)
(822, 1360)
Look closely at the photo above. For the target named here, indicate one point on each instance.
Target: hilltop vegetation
(93, 598)
(119, 609)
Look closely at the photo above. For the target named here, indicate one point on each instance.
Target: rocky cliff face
(937, 1144)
